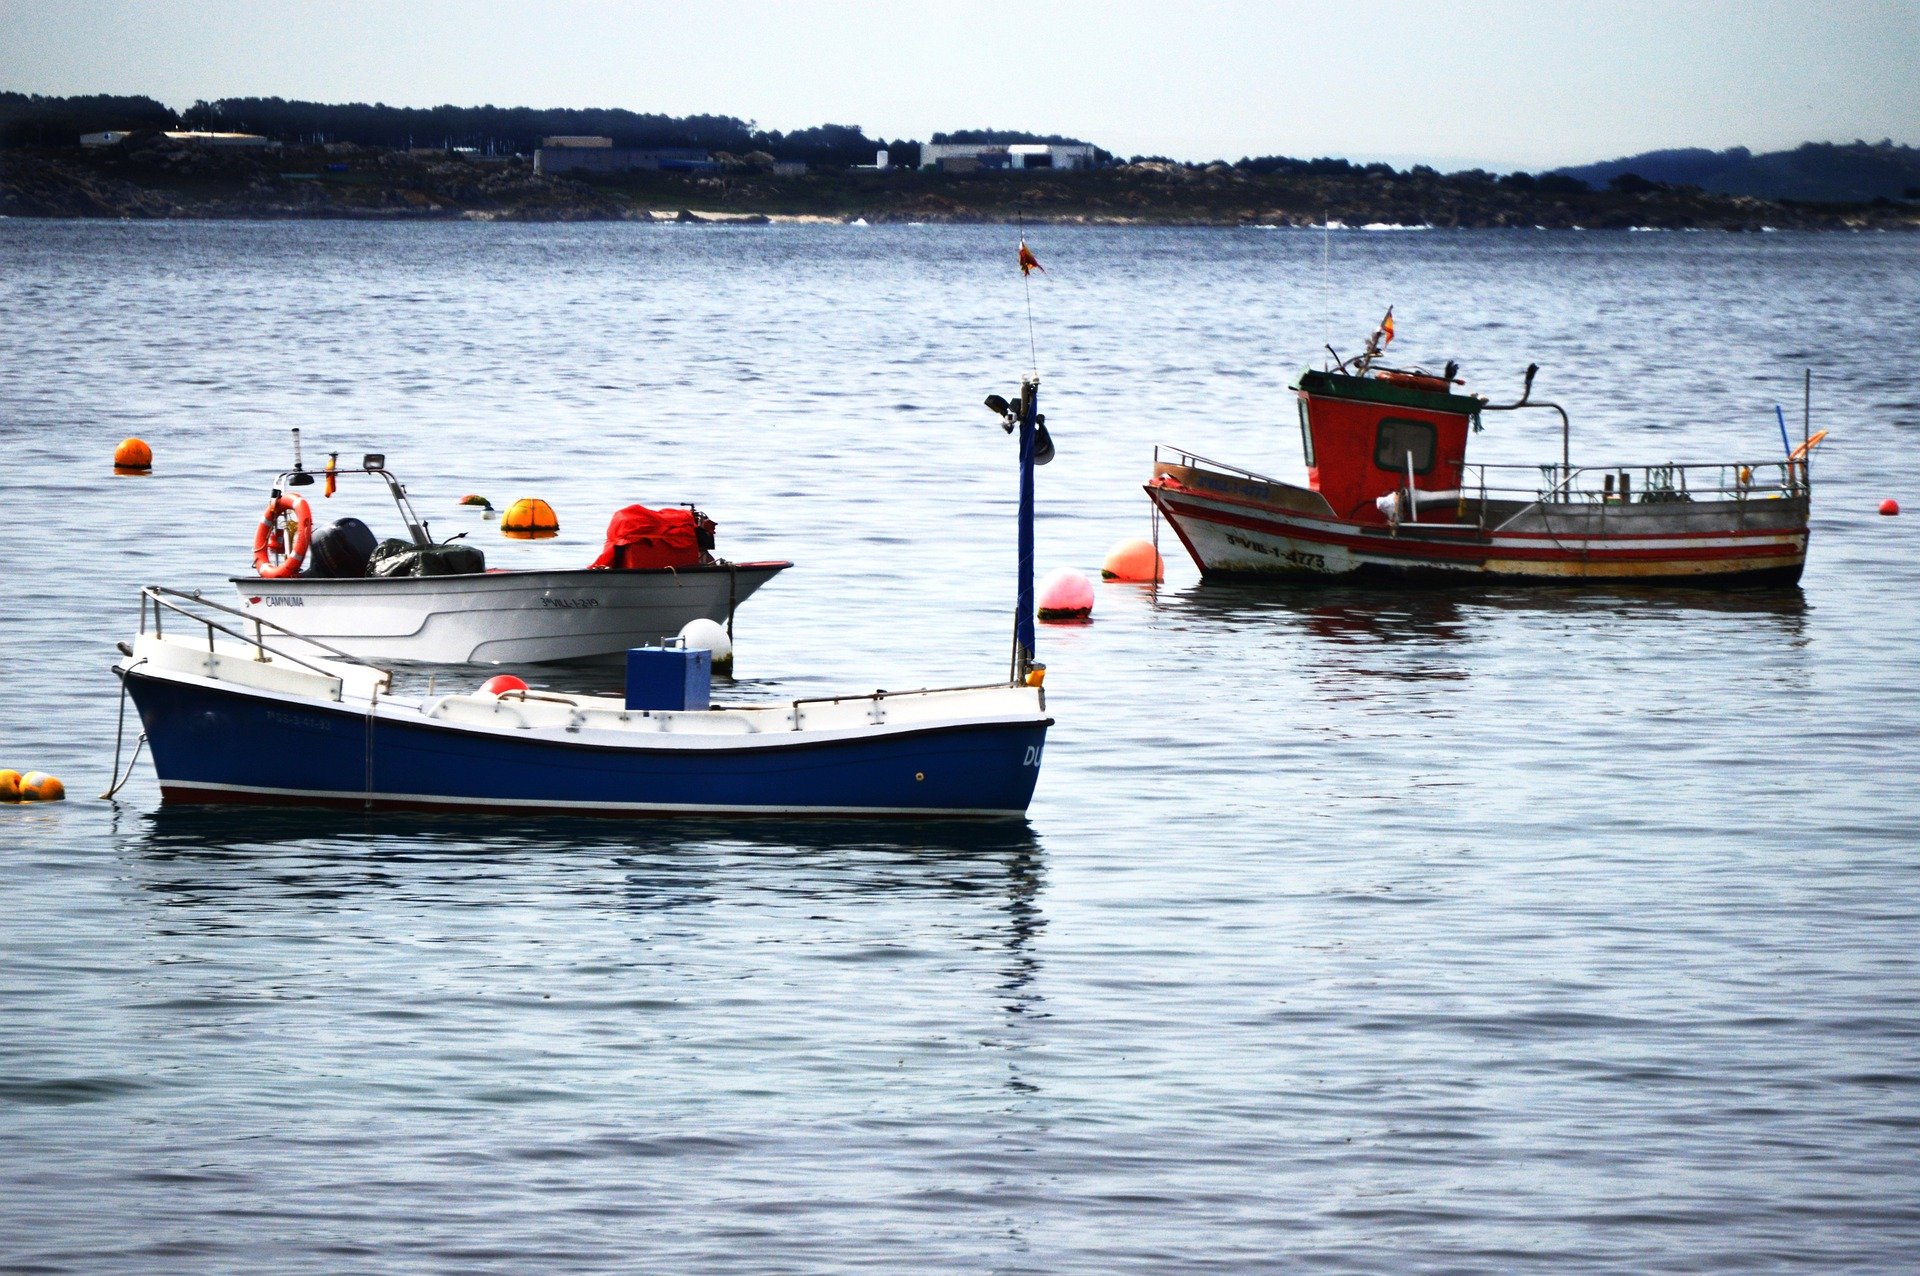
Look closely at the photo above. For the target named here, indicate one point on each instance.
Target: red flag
(1028, 262)
(1386, 328)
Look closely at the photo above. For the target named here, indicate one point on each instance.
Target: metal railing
(1640, 484)
(1166, 453)
(1532, 486)
(188, 605)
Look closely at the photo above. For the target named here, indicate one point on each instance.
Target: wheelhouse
(1368, 437)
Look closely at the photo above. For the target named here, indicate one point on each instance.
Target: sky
(1499, 84)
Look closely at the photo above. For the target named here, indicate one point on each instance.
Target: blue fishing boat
(239, 710)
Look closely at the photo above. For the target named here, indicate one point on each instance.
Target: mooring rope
(119, 735)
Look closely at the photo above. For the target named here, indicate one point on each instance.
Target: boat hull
(1238, 528)
(228, 744)
(505, 617)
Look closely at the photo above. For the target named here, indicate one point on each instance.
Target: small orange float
(529, 518)
(1136, 561)
(133, 456)
(9, 786)
(38, 786)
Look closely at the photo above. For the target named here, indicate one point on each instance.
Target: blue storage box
(669, 678)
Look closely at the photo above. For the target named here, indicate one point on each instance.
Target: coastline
(170, 182)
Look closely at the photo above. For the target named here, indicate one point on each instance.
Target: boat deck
(363, 689)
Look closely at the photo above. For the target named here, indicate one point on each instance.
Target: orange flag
(333, 459)
(1386, 328)
(1028, 262)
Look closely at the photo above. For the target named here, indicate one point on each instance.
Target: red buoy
(1066, 595)
(1889, 506)
(501, 682)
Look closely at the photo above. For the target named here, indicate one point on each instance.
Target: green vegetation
(379, 161)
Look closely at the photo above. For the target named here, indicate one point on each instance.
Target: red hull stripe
(1774, 544)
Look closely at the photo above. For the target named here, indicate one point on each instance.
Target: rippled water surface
(1352, 931)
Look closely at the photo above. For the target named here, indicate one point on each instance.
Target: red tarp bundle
(640, 537)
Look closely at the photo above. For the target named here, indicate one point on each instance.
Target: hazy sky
(1503, 84)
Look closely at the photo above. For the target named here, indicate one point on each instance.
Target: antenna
(1326, 269)
(1026, 288)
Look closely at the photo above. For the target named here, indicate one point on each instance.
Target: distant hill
(1818, 172)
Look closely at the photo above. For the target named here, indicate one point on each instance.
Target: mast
(1023, 643)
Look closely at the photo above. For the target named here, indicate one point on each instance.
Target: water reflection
(215, 863)
(254, 846)
(1436, 615)
(1367, 645)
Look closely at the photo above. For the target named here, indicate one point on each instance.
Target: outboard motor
(340, 550)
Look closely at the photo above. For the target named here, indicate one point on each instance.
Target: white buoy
(709, 636)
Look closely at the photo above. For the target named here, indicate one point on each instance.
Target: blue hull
(215, 745)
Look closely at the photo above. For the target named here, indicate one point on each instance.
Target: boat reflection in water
(1419, 634)
(201, 854)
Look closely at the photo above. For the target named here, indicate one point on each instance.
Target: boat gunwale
(509, 574)
(406, 712)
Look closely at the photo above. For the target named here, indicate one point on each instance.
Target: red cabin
(1362, 434)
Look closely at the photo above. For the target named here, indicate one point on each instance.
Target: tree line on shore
(1814, 172)
(34, 120)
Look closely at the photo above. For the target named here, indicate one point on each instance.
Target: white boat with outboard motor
(418, 600)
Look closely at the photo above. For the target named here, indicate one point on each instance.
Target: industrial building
(970, 157)
(113, 137)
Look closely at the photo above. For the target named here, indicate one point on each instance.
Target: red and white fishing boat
(1390, 495)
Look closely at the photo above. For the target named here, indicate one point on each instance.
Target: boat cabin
(1364, 434)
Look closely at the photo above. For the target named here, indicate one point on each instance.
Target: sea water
(1350, 930)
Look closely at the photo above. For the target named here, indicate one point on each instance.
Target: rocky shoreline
(157, 179)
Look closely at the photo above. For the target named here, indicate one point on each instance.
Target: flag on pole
(1386, 328)
(1028, 262)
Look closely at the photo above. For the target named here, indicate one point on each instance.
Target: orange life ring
(267, 537)
(1807, 447)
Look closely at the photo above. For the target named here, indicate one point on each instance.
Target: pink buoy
(1889, 506)
(501, 682)
(1065, 595)
(1134, 561)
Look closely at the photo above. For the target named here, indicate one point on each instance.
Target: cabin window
(1306, 434)
(1399, 439)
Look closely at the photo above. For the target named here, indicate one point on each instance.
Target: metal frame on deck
(164, 601)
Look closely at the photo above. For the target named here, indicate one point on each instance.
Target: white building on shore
(113, 137)
(967, 157)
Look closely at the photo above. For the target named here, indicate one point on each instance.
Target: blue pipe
(1023, 606)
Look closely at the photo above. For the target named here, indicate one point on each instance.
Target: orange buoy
(529, 519)
(1065, 595)
(1134, 561)
(38, 786)
(1889, 507)
(9, 786)
(133, 456)
(481, 501)
(499, 683)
